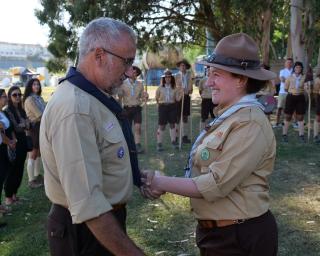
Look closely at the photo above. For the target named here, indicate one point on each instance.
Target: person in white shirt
(284, 74)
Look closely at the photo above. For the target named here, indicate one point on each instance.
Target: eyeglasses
(15, 95)
(127, 61)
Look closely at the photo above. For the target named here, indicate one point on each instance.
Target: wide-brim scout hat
(185, 62)
(238, 54)
(167, 72)
(137, 69)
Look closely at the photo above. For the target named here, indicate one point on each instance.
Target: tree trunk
(210, 44)
(296, 31)
(289, 46)
(317, 69)
(265, 42)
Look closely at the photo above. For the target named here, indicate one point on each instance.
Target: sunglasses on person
(15, 95)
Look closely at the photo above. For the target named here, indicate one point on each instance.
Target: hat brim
(258, 74)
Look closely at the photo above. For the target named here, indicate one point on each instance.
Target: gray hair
(102, 32)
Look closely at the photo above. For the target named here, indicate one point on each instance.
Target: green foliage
(159, 22)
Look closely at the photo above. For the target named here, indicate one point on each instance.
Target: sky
(18, 23)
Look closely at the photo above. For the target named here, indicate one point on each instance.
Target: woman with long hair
(20, 123)
(8, 143)
(34, 106)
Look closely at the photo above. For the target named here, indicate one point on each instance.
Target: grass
(166, 226)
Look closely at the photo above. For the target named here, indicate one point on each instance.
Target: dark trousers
(70, 239)
(255, 237)
(15, 172)
(4, 166)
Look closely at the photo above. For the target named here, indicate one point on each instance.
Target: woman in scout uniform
(316, 91)
(166, 96)
(228, 167)
(295, 101)
(34, 106)
(132, 95)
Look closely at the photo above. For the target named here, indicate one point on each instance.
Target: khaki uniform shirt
(84, 153)
(167, 95)
(204, 89)
(290, 85)
(179, 82)
(32, 110)
(231, 166)
(131, 93)
(316, 88)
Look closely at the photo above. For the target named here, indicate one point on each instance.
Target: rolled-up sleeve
(242, 151)
(79, 167)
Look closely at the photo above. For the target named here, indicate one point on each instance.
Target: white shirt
(284, 73)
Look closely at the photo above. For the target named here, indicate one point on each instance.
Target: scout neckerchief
(39, 102)
(297, 80)
(77, 79)
(184, 81)
(132, 86)
(167, 88)
(246, 101)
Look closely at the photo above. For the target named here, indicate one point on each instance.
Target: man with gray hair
(88, 149)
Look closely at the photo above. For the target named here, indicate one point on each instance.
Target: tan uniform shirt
(231, 166)
(32, 110)
(290, 85)
(187, 87)
(84, 153)
(168, 95)
(204, 89)
(316, 87)
(131, 93)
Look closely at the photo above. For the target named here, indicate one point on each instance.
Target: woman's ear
(242, 81)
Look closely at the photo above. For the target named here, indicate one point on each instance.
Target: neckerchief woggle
(246, 101)
(77, 79)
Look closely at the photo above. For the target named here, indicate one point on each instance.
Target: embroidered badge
(120, 152)
(205, 154)
(108, 126)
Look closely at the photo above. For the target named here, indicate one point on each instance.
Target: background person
(88, 149)
(18, 119)
(207, 105)
(34, 106)
(131, 95)
(316, 125)
(166, 97)
(295, 101)
(283, 75)
(231, 160)
(8, 140)
(184, 80)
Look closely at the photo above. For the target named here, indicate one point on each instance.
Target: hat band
(232, 62)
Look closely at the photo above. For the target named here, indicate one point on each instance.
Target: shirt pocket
(113, 148)
(206, 154)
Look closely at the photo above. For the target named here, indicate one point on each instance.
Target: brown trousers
(255, 237)
(70, 239)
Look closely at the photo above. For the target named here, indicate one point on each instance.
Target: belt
(219, 223)
(117, 207)
(295, 94)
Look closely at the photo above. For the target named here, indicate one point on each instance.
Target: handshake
(150, 184)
